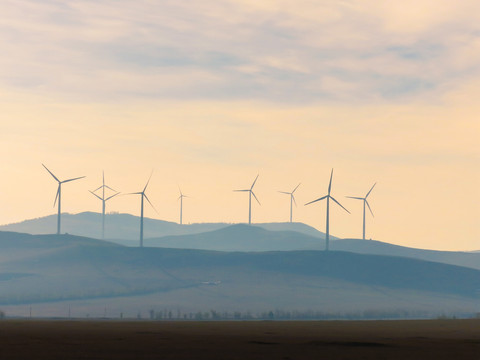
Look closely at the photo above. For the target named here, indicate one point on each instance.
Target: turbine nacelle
(328, 197)
(104, 199)
(251, 190)
(292, 199)
(181, 195)
(364, 199)
(103, 187)
(365, 202)
(142, 193)
(250, 193)
(59, 194)
(291, 193)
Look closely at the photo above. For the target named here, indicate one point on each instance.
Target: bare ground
(416, 339)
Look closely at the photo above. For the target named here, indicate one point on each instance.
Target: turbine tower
(328, 197)
(365, 202)
(59, 197)
(143, 196)
(250, 193)
(181, 205)
(104, 200)
(292, 200)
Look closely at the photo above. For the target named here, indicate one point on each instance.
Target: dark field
(417, 339)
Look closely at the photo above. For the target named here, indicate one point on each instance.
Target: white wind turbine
(292, 200)
(250, 193)
(59, 197)
(181, 205)
(365, 202)
(104, 200)
(143, 196)
(328, 197)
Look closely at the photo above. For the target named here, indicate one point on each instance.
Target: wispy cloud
(275, 51)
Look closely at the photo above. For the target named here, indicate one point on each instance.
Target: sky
(208, 94)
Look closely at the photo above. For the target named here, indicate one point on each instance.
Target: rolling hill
(252, 238)
(66, 269)
(241, 237)
(460, 258)
(126, 226)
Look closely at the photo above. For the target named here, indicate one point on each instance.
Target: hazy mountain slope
(14, 246)
(241, 237)
(296, 226)
(88, 269)
(253, 238)
(468, 259)
(127, 227)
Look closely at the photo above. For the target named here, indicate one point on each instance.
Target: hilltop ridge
(126, 226)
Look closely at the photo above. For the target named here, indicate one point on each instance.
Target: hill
(252, 238)
(85, 272)
(460, 258)
(241, 237)
(126, 226)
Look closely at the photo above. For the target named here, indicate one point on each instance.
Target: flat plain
(91, 339)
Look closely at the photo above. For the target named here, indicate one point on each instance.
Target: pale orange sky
(208, 95)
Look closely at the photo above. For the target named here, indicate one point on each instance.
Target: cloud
(280, 51)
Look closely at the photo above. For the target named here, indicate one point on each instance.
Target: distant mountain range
(123, 229)
(460, 258)
(40, 269)
(241, 237)
(127, 227)
(252, 238)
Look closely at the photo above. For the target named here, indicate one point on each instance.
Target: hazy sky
(210, 93)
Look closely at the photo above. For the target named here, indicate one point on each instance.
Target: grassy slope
(67, 268)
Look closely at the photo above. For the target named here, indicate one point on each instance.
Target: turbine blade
(146, 197)
(134, 193)
(371, 212)
(296, 188)
(311, 202)
(254, 181)
(98, 188)
(242, 190)
(284, 192)
(331, 197)
(65, 181)
(96, 195)
(330, 184)
(56, 196)
(293, 198)
(145, 188)
(370, 190)
(51, 173)
(108, 187)
(256, 198)
(354, 197)
(111, 196)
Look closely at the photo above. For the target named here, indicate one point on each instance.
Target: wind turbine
(292, 200)
(328, 197)
(181, 204)
(250, 193)
(104, 200)
(143, 196)
(59, 196)
(365, 202)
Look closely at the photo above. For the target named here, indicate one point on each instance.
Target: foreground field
(417, 339)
